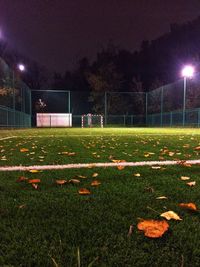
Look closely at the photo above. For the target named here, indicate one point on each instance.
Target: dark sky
(57, 33)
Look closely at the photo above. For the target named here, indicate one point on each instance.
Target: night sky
(57, 33)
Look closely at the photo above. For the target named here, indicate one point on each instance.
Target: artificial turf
(55, 226)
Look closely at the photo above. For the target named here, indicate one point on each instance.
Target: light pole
(21, 68)
(187, 72)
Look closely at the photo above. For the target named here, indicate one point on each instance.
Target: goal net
(92, 120)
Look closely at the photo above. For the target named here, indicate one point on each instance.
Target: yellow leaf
(170, 215)
(153, 228)
(162, 197)
(34, 171)
(185, 178)
(156, 167)
(137, 174)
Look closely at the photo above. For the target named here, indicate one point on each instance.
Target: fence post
(161, 108)
(146, 106)
(105, 107)
(69, 101)
(171, 119)
(198, 118)
(124, 120)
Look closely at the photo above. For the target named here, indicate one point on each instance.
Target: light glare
(188, 71)
(21, 67)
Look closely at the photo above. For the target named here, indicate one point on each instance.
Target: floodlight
(188, 71)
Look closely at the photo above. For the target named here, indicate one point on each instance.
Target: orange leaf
(190, 206)
(95, 183)
(61, 182)
(21, 179)
(197, 148)
(34, 181)
(191, 183)
(84, 191)
(24, 149)
(153, 228)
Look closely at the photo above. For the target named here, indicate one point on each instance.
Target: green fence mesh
(15, 99)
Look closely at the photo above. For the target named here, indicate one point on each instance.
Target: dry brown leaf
(95, 183)
(74, 181)
(81, 176)
(84, 191)
(95, 174)
(185, 178)
(190, 206)
(21, 179)
(61, 182)
(156, 167)
(153, 228)
(170, 215)
(35, 186)
(197, 148)
(191, 183)
(34, 181)
(130, 231)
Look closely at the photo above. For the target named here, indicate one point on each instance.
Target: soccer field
(44, 223)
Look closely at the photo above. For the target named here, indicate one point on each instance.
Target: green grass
(55, 222)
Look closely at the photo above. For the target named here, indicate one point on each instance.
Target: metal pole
(184, 98)
(105, 107)
(146, 106)
(30, 106)
(161, 108)
(13, 85)
(69, 101)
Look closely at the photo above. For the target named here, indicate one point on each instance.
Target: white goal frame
(90, 118)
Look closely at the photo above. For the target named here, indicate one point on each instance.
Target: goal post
(91, 120)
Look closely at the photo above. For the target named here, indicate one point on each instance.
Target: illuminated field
(51, 224)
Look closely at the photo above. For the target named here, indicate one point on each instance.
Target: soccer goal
(91, 120)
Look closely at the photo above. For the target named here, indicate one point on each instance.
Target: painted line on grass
(99, 165)
(7, 137)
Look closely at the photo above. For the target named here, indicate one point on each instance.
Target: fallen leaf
(130, 231)
(137, 174)
(35, 186)
(197, 148)
(190, 206)
(21, 179)
(153, 228)
(74, 181)
(22, 206)
(162, 197)
(84, 191)
(95, 174)
(156, 167)
(34, 171)
(170, 215)
(34, 181)
(185, 178)
(81, 176)
(191, 183)
(95, 183)
(61, 182)
(24, 150)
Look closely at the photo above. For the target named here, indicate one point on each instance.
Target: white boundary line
(97, 165)
(8, 137)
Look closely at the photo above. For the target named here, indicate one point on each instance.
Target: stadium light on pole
(187, 72)
(20, 67)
